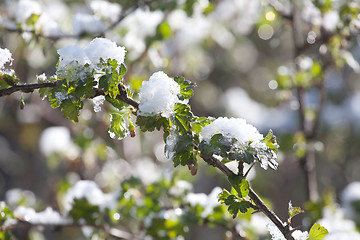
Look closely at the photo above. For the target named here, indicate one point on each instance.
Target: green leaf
(110, 81)
(293, 211)
(5, 213)
(113, 89)
(223, 196)
(234, 203)
(82, 209)
(163, 122)
(122, 70)
(85, 90)
(44, 92)
(200, 122)
(7, 80)
(240, 185)
(146, 123)
(248, 157)
(71, 109)
(186, 88)
(118, 128)
(115, 102)
(32, 19)
(165, 29)
(316, 69)
(270, 141)
(149, 123)
(317, 232)
(6, 235)
(183, 117)
(184, 152)
(104, 82)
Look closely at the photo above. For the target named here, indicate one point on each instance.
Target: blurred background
(246, 63)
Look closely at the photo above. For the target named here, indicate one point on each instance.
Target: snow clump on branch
(158, 95)
(5, 56)
(48, 216)
(93, 194)
(98, 48)
(236, 128)
(247, 138)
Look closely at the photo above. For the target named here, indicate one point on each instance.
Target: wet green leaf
(118, 128)
(71, 109)
(317, 232)
(186, 88)
(183, 117)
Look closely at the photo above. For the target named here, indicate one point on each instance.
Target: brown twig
(260, 205)
(27, 88)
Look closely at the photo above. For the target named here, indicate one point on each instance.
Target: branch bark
(28, 88)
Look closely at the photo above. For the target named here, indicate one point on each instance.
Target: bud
(132, 129)
(22, 103)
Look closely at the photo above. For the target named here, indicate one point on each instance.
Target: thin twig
(27, 88)
(260, 205)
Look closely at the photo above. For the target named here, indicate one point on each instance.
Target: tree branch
(260, 205)
(27, 88)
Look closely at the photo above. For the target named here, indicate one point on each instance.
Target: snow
(312, 14)
(5, 56)
(55, 140)
(330, 20)
(333, 220)
(89, 190)
(158, 95)
(98, 101)
(15, 196)
(98, 48)
(277, 235)
(236, 128)
(343, 236)
(350, 195)
(245, 134)
(275, 232)
(180, 188)
(85, 23)
(299, 235)
(147, 170)
(107, 10)
(41, 77)
(208, 202)
(61, 96)
(24, 9)
(171, 142)
(48, 26)
(140, 24)
(48, 216)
